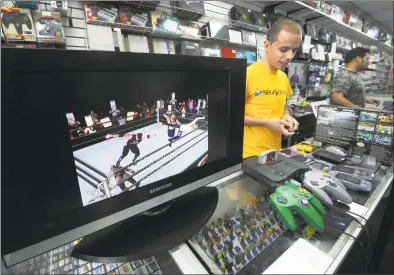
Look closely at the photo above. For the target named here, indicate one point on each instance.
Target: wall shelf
(150, 32)
(304, 12)
(185, 14)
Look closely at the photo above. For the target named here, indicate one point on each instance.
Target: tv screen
(298, 74)
(68, 173)
(362, 131)
(153, 146)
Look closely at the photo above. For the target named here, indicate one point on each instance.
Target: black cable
(355, 239)
(352, 213)
(366, 221)
(367, 224)
(367, 232)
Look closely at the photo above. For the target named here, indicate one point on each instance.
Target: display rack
(236, 24)
(193, 16)
(183, 14)
(300, 10)
(150, 32)
(59, 261)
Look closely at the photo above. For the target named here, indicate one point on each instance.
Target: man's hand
(279, 125)
(109, 136)
(373, 101)
(293, 124)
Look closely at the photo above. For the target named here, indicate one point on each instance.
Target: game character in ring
(131, 145)
(121, 176)
(173, 123)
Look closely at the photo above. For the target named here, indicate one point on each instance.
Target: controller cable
(364, 250)
(367, 229)
(355, 214)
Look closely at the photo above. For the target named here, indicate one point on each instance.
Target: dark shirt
(133, 140)
(351, 85)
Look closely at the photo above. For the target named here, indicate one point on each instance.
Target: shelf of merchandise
(234, 24)
(300, 10)
(193, 16)
(182, 14)
(150, 32)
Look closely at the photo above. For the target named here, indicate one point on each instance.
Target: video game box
(17, 24)
(101, 12)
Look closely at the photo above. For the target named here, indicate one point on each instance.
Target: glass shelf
(58, 261)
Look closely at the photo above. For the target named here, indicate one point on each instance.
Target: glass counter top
(58, 261)
(382, 183)
(245, 236)
(241, 231)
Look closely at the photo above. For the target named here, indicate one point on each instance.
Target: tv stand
(150, 233)
(157, 210)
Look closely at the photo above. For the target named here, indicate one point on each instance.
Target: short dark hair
(353, 53)
(283, 24)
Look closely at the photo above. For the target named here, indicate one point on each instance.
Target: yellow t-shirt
(266, 95)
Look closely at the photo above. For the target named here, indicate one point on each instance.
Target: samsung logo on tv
(159, 188)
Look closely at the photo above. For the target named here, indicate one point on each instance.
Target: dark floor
(356, 261)
(387, 263)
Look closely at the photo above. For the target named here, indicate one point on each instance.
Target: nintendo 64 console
(273, 169)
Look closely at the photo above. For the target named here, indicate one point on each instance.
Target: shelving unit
(150, 32)
(300, 10)
(295, 9)
(182, 14)
(195, 16)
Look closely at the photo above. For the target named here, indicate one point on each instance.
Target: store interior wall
(78, 36)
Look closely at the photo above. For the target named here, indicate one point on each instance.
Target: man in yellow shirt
(267, 117)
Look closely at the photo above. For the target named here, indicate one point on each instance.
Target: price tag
(308, 232)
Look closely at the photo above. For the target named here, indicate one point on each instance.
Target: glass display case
(58, 261)
(241, 229)
(370, 201)
(245, 236)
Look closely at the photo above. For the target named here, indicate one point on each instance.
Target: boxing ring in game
(168, 159)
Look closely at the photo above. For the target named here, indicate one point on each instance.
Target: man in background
(267, 117)
(347, 88)
(294, 79)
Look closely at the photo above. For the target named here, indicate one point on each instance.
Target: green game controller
(290, 197)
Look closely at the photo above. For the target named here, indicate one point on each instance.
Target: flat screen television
(115, 178)
(298, 74)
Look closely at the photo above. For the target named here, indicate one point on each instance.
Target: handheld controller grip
(322, 185)
(318, 206)
(17, 19)
(283, 213)
(290, 197)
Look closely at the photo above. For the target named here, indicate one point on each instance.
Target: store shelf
(190, 15)
(150, 32)
(300, 10)
(234, 24)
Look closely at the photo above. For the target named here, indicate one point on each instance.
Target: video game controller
(50, 27)
(352, 182)
(17, 19)
(365, 175)
(290, 197)
(322, 185)
(320, 165)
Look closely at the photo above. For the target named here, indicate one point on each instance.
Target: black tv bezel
(54, 60)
